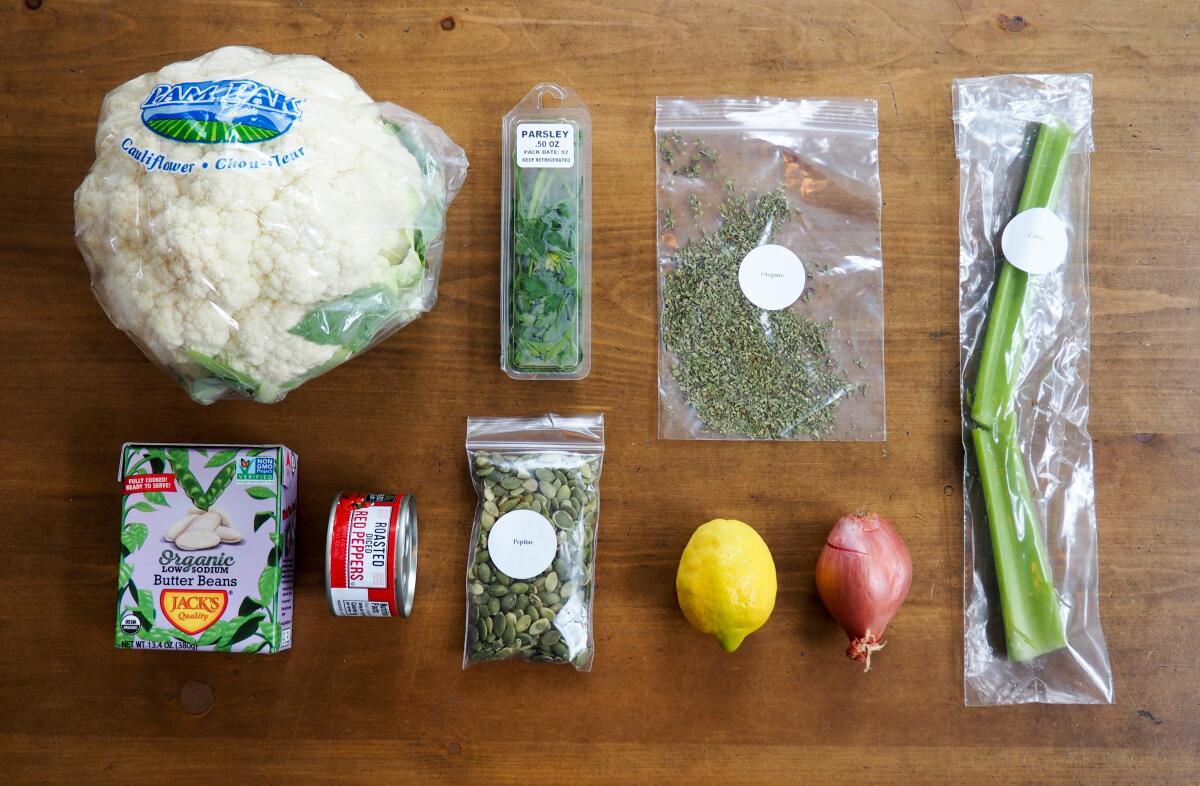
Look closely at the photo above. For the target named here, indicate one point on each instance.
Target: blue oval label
(221, 111)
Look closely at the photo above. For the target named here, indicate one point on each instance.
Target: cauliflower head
(253, 220)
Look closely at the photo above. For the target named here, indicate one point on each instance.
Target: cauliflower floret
(213, 256)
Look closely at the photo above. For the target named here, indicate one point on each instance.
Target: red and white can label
(362, 555)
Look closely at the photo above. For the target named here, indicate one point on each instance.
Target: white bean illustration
(225, 520)
(205, 522)
(194, 540)
(178, 527)
(228, 534)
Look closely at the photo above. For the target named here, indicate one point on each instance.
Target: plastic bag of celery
(1030, 595)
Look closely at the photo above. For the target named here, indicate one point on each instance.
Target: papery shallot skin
(863, 576)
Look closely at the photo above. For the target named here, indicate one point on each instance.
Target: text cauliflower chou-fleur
(252, 220)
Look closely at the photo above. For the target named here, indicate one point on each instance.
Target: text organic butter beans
(531, 572)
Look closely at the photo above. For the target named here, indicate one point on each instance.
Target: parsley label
(545, 145)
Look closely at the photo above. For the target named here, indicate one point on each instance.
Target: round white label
(522, 544)
(1035, 240)
(771, 277)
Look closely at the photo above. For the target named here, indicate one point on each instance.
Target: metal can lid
(406, 561)
(329, 551)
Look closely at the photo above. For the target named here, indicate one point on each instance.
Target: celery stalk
(1004, 341)
(1032, 611)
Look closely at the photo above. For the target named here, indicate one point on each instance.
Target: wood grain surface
(365, 701)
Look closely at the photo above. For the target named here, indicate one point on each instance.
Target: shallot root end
(860, 649)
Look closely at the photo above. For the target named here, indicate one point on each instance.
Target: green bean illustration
(218, 485)
(190, 484)
(187, 481)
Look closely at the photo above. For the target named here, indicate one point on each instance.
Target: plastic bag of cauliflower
(252, 221)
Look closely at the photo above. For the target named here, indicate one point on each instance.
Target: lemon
(726, 581)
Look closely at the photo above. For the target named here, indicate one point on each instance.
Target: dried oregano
(746, 371)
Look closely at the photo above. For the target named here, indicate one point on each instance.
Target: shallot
(863, 576)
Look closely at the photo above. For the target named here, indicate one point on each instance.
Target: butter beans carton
(207, 547)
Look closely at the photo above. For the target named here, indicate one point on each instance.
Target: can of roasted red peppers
(371, 555)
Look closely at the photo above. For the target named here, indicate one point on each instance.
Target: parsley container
(545, 237)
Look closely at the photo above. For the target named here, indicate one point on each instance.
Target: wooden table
(364, 701)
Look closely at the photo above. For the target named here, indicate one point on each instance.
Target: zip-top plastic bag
(770, 269)
(531, 570)
(254, 220)
(1030, 592)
